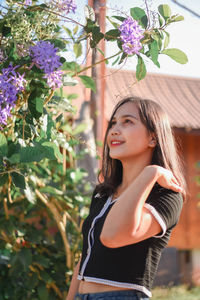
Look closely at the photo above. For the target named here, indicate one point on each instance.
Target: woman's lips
(116, 143)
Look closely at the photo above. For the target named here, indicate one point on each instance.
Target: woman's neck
(131, 169)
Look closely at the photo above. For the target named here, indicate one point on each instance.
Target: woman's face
(128, 137)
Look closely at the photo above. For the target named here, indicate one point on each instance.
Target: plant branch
(49, 98)
(60, 225)
(6, 208)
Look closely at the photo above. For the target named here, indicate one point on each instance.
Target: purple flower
(54, 79)
(131, 34)
(44, 56)
(11, 83)
(28, 2)
(65, 5)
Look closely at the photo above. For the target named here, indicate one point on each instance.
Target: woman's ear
(152, 142)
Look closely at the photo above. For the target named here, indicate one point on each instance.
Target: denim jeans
(113, 295)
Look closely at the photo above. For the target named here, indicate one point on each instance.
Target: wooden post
(98, 74)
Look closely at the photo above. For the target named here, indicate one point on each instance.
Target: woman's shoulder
(164, 195)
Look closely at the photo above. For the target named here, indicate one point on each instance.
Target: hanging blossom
(44, 56)
(11, 84)
(65, 5)
(54, 79)
(131, 34)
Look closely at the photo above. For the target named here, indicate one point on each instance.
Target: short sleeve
(165, 205)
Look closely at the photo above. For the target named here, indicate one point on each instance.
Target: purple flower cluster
(131, 34)
(45, 58)
(11, 83)
(44, 55)
(65, 5)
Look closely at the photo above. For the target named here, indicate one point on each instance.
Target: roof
(179, 96)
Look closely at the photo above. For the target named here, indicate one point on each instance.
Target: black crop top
(133, 266)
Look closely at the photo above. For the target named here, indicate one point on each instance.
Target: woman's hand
(166, 179)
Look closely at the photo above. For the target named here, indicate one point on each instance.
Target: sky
(184, 35)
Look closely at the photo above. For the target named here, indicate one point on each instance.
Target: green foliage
(140, 69)
(139, 14)
(176, 54)
(181, 292)
(88, 82)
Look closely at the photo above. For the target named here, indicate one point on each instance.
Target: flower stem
(98, 62)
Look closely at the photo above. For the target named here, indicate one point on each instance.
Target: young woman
(134, 209)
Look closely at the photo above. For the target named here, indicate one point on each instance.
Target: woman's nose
(115, 131)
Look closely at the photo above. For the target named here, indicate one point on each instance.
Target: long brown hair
(165, 152)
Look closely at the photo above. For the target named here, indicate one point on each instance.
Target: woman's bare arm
(74, 283)
(129, 221)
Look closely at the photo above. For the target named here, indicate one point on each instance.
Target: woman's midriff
(92, 287)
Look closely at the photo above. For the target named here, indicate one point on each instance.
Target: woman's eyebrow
(127, 116)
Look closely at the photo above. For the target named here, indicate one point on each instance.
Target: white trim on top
(158, 218)
(90, 234)
(117, 284)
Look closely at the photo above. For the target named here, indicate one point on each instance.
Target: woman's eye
(112, 124)
(127, 121)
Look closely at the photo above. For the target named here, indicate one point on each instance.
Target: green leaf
(75, 29)
(119, 18)
(89, 26)
(78, 49)
(43, 292)
(88, 82)
(14, 159)
(161, 21)
(71, 66)
(140, 69)
(6, 31)
(165, 11)
(176, 54)
(97, 35)
(123, 57)
(25, 258)
(53, 150)
(112, 34)
(35, 104)
(115, 61)
(102, 53)
(115, 25)
(57, 43)
(153, 47)
(176, 18)
(89, 13)
(3, 145)
(18, 180)
(36, 153)
(167, 39)
(139, 14)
